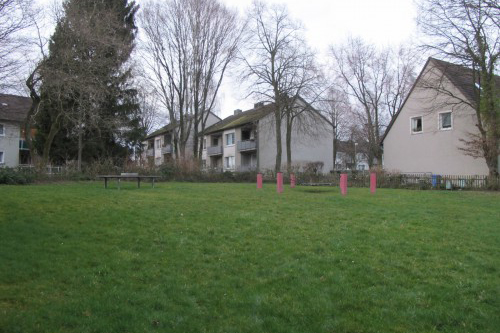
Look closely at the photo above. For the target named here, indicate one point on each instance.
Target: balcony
(150, 152)
(247, 168)
(166, 149)
(247, 145)
(214, 150)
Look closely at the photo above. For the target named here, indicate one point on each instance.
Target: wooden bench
(128, 176)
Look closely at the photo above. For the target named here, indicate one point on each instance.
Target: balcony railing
(166, 149)
(150, 152)
(246, 168)
(247, 145)
(215, 150)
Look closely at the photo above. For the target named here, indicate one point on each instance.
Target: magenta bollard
(343, 183)
(279, 182)
(373, 182)
(259, 180)
(292, 180)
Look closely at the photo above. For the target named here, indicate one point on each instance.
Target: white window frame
(3, 129)
(411, 125)
(227, 165)
(234, 137)
(440, 127)
(2, 157)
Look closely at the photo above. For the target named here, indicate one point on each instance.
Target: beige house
(159, 145)
(246, 141)
(427, 133)
(13, 148)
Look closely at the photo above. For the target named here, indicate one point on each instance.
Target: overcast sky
(327, 22)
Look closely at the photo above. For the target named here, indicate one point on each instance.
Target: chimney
(258, 105)
(237, 111)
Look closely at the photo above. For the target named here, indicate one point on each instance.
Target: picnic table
(128, 176)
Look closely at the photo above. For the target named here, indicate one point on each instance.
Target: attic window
(416, 125)
(445, 121)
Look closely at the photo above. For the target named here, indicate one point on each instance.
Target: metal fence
(411, 181)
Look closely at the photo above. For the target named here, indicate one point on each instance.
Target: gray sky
(327, 22)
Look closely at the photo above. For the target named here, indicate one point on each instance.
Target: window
(229, 162)
(416, 125)
(230, 139)
(361, 167)
(158, 144)
(204, 143)
(1, 157)
(445, 121)
(2, 130)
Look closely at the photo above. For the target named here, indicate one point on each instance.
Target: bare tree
(280, 67)
(337, 108)
(364, 71)
(188, 47)
(15, 17)
(378, 80)
(467, 33)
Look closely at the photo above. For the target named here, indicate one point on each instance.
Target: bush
(13, 176)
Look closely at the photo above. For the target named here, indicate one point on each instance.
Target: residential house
(13, 148)
(350, 157)
(246, 141)
(426, 135)
(159, 145)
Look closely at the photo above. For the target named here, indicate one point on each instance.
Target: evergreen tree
(88, 108)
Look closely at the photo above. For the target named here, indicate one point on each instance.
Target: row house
(246, 140)
(159, 145)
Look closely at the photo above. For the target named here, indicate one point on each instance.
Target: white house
(428, 133)
(13, 112)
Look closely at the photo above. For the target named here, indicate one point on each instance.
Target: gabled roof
(167, 128)
(14, 108)
(461, 77)
(240, 119)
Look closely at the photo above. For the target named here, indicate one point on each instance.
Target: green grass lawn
(227, 258)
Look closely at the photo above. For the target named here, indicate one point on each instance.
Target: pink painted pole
(292, 180)
(373, 182)
(259, 180)
(279, 182)
(343, 183)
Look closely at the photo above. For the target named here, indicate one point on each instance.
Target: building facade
(428, 133)
(13, 148)
(246, 141)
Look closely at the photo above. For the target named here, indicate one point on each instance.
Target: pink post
(279, 182)
(259, 180)
(373, 182)
(343, 183)
(292, 180)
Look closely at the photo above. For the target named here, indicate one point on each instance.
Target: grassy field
(227, 258)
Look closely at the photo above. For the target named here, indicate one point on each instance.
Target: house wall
(9, 143)
(316, 145)
(433, 150)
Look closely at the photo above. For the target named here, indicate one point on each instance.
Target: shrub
(16, 176)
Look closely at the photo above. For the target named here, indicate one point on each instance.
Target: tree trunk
(289, 126)
(80, 147)
(277, 118)
(54, 129)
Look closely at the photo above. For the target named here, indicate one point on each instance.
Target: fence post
(259, 180)
(279, 182)
(292, 180)
(373, 182)
(343, 183)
